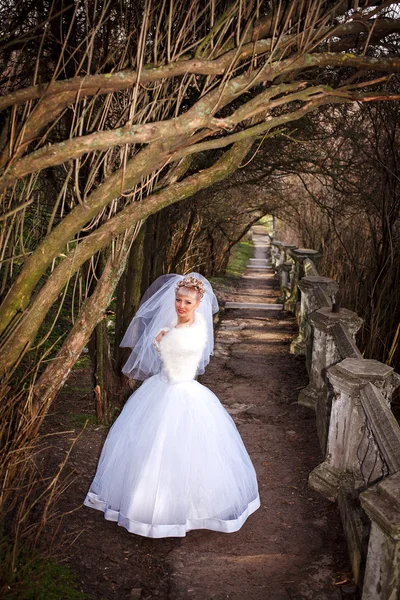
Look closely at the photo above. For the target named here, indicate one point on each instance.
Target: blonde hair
(192, 283)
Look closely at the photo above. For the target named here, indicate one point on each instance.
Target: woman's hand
(160, 336)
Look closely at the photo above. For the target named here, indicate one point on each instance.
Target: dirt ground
(292, 548)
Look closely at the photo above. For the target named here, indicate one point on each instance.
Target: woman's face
(186, 302)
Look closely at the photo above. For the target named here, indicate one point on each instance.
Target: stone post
(284, 271)
(283, 249)
(328, 328)
(274, 252)
(309, 268)
(382, 573)
(316, 292)
(363, 442)
(347, 423)
(325, 349)
(299, 255)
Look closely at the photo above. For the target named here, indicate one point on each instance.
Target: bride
(173, 460)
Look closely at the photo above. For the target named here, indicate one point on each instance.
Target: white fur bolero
(181, 349)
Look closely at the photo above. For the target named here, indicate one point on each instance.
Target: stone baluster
(280, 254)
(316, 292)
(299, 256)
(284, 271)
(353, 456)
(328, 348)
(309, 268)
(286, 267)
(283, 250)
(347, 424)
(282, 266)
(274, 252)
(382, 572)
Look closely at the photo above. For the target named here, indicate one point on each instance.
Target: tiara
(192, 282)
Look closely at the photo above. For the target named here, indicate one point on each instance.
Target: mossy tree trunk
(91, 314)
(128, 298)
(100, 354)
(103, 372)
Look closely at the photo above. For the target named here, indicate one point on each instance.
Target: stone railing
(358, 433)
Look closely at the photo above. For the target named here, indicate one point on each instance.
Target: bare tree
(345, 201)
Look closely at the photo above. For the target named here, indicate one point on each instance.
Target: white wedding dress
(173, 460)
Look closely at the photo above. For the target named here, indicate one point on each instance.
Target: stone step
(260, 267)
(254, 305)
(265, 274)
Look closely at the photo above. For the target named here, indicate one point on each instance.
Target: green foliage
(89, 419)
(115, 412)
(80, 419)
(268, 222)
(83, 389)
(83, 362)
(239, 257)
(217, 281)
(35, 577)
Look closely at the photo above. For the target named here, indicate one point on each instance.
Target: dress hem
(92, 500)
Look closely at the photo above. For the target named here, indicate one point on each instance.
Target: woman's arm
(159, 337)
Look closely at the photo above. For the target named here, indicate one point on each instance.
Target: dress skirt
(174, 461)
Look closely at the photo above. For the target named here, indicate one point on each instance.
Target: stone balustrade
(357, 431)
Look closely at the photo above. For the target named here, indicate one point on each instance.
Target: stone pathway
(292, 548)
(257, 279)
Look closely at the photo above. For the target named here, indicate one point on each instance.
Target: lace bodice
(181, 349)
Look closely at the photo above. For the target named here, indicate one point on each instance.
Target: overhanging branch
(198, 117)
(26, 330)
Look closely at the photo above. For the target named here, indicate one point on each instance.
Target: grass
(84, 389)
(238, 260)
(239, 257)
(79, 420)
(36, 577)
(83, 361)
(220, 281)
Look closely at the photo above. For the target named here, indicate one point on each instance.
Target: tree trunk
(91, 313)
(128, 298)
(183, 246)
(158, 246)
(103, 373)
(147, 254)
